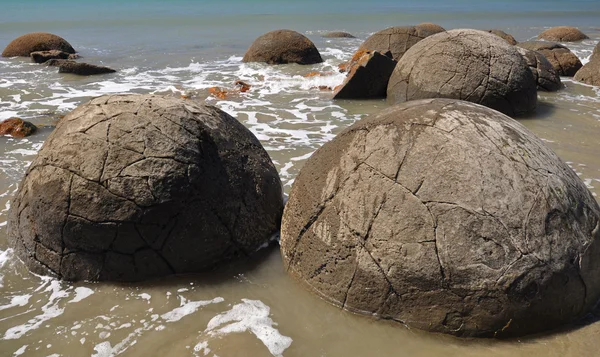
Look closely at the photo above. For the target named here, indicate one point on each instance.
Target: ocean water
(184, 47)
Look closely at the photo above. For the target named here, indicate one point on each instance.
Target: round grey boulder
(545, 75)
(562, 59)
(446, 216)
(562, 34)
(281, 47)
(130, 187)
(470, 65)
(394, 41)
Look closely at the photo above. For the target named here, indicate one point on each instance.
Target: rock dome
(36, 41)
(562, 34)
(281, 47)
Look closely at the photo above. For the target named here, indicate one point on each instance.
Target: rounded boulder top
(281, 47)
(470, 65)
(338, 34)
(36, 41)
(446, 216)
(430, 27)
(394, 41)
(130, 187)
(562, 34)
(503, 35)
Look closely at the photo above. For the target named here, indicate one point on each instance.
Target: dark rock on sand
(83, 69)
(337, 34)
(562, 34)
(44, 56)
(545, 75)
(394, 41)
(367, 78)
(37, 41)
(503, 35)
(129, 187)
(470, 65)
(563, 60)
(590, 72)
(17, 128)
(446, 216)
(283, 46)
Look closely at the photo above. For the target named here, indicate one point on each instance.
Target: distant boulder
(430, 27)
(503, 35)
(83, 69)
(337, 34)
(367, 78)
(281, 47)
(36, 41)
(57, 62)
(563, 60)
(44, 56)
(562, 34)
(17, 128)
(545, 75)
(590, 72)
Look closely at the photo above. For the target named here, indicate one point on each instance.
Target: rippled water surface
(250, 308)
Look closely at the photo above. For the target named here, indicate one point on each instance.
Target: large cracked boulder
(590, 72)
(446, 216)
(36, 41)
(470, 65)
(129, 187)
(562, 34)
(281, 47)
(562, 59)
(394, 41)
(367, 78)
(545, 75)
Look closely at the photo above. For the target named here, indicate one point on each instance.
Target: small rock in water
(44, 56)
(563, 34)
(83, 69)
(337, 34)
(17, 128)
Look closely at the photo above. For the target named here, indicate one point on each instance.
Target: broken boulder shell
(446, 216)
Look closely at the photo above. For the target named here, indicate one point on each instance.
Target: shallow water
(251, 308)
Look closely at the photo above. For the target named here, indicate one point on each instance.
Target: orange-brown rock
(562, 34)
(36, 41)
(283, 46)
(562, 59)
(430, 27)
(367, 78)
(218, 92)
(242, 86)
(17, 128)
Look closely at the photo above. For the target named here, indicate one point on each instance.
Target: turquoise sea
(184, 47)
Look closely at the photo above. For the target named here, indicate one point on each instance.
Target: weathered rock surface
(130, 187)
(446, 216)
(545, 75)
(281, 47)
(430, 27)
(470, 65)
(36, 41)
(338, 34)
(367, 78)
(503, 35)
(17, 128)
(44, 56)
(590, 72)
(57, 62)
(394, 41)
(563, 60)
(83, 69)
(562, 34)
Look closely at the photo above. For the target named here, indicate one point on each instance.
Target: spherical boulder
(545, 75)
(590, 72)
(446, 216)
(562, 34)
(562, 59)
(470, 65)
(36, 41)
(130, 187)
(394, 41)
(503, 35)
(281, 47)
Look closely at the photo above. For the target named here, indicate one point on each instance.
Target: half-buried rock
(562, 59)
(83, 69)
(367, 78)
(36, 41)
(130, 187)
(446, 216)
(281, 47)
(545, 75)
(470, 65)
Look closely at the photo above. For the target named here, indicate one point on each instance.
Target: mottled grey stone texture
(130, 187)
(562, 59)
(545, 75)
(470, 65)
(395, 41)
(281, 47)
(446, 216)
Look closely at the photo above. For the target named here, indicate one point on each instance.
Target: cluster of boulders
(53, 51)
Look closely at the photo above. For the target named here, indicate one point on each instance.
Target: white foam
(187, 308)
(81, 293)
(20, 351)
(17, 300)
(252, 316)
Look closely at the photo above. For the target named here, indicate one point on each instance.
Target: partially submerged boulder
(446, 216)
(17, 128)
(83, 69)
(57, 62)
(130, 187)
(470, 65)
(44, 56)
(545, 75)
(562, 34)
(367, 78)
(394, 41)
(36, 41)
(563, 60)
(503, 35)
(590, 72)
(281, 47)
(337, 34)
